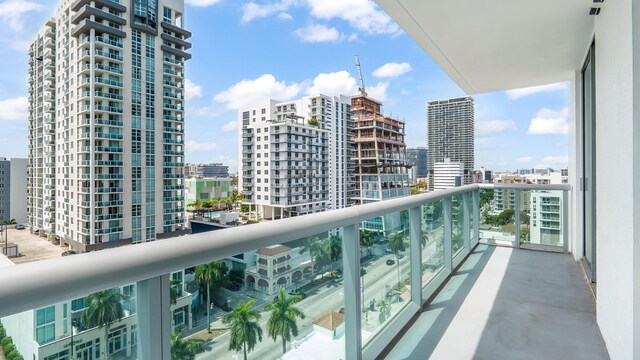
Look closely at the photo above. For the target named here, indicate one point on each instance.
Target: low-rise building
(276, 267)
(199, 190)
(13, 190)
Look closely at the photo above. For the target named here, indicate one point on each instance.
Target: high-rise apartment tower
(450, 134)
(106, 122)
(295, 155)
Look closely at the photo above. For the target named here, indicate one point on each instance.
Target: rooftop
(273, 250)
(329, 320)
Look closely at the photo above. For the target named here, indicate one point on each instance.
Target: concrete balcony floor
(504, 303)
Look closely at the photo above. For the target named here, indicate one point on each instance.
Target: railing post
(415, 252)
(565, 221)
(476, 216)
(448, 251)
(517, 221)
(154, 321)
(352, 300)
(466, 220)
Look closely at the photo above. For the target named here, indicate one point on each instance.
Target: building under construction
(379, 157)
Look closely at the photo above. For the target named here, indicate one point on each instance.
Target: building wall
(5, 190)
(18, 192)
(106, 124)
(450, 134)
(617, 228)
(446, 173)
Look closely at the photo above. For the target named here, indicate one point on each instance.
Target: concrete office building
(450, 134)
(106, 123)
(295, 155)
(447, 174)
(13, 190)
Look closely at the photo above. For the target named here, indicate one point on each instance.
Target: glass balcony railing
(349, 279)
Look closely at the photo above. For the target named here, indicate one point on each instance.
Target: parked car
(362, 272)
(338, 278)
(233, 286)
(69, 252)
(341, 310)
(400, 256)
(390, 262)
(20, 227)
(299, 293)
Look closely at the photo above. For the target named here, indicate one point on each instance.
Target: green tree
(104, 308)
(486, 196)
(367, 238)
(283, 319)
(313, 121)
(210, 275)
(245, 331)
(10, 222)
(384, 310)
(182, 349)
(173, 290)
(317, 252)
(397, 244)
(333, 247)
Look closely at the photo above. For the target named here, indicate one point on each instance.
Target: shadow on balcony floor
(508, 304)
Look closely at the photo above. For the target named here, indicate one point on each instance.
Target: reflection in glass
(432, 240)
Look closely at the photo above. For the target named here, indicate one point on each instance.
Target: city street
(379, 279)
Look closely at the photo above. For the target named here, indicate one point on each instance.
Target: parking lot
(31, 246)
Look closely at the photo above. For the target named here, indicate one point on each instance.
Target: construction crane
(361, 89)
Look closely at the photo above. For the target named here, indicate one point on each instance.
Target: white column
(446, 208)
(154, 318)
(352, 301)
(415, 254)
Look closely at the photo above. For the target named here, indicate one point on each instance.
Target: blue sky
(244, 51)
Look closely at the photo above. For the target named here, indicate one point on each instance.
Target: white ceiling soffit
(491, 45)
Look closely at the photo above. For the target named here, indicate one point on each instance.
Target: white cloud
(12, 13)
(194, 146)
(252, 10)
(518, 93)
(525, 159)
(248, 92)
(363, 15)
(549, 122)
(285, 16)
(314, 33)
(489, 127)
(16, 109)
(192, 90)
(202, 3)
(230, 126)
(335, 83)
(556, 160)
(378, 91)
(392, 69)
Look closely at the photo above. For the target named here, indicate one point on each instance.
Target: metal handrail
(36, 284)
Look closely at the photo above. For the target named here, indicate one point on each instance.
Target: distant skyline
(243, 51)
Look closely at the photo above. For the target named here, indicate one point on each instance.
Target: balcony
(442, 292)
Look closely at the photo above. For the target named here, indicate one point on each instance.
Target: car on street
(20, 227)
(69, 252)
(299, 293)
(362, 272)
(390, 262)
(400, 256)
(338, 279)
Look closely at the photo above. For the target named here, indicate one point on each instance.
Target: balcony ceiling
(493, 45)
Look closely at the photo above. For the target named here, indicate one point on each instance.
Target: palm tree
(10, 222)
(185, 349)
(333, 247)
(245, 331)
(397, 244)
(104, 308)
(313, 246)
(385, 310)
(209, 275)
(282, 321)
(367, 238)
